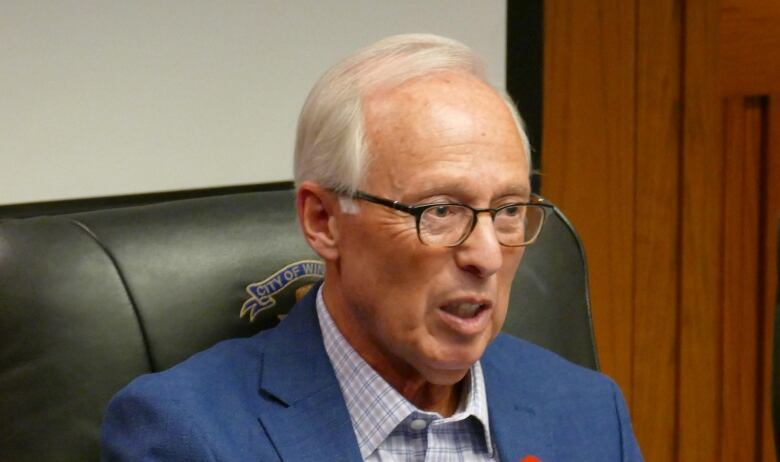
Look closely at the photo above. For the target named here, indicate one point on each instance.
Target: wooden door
(749, 94)
(661, 141)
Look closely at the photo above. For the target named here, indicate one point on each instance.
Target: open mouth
(465, 310)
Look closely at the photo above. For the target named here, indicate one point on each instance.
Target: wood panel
(770, 222)
(750, 62)
(656, 267)
(682, 255)
(744, 126)
(701, 309)
(750, 57)
(589, 76)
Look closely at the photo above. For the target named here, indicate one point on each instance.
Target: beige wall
(112, 97)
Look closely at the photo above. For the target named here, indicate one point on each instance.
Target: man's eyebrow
(524, 191)
(457, 189)
(519, 190)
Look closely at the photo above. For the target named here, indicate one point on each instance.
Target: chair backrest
(89, 301)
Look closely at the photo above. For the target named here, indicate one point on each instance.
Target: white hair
(330, 146)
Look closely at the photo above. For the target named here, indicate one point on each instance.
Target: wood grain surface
(661, 142)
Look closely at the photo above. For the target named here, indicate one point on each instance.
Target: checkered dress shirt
(390, 428)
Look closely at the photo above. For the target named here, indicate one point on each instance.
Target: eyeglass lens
(449, 224)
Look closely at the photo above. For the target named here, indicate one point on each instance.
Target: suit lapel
(304, 413)
(519, 430)
(305, 416)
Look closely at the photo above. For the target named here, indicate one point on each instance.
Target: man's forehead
(443, 131)
(440, 86)
(425, 107)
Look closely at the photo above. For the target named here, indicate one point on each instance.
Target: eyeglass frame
(417, 212)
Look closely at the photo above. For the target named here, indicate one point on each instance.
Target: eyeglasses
(450, 224)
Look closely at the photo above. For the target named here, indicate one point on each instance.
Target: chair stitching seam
(139, 317)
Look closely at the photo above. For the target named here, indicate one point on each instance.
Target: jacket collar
(518, 428)
(306, 417)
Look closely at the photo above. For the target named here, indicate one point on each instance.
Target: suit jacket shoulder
(270, 397)
(575, 413)
(193, 411)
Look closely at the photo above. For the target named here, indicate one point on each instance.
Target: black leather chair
(88, 301)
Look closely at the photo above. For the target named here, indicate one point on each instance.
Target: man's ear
(318, 210)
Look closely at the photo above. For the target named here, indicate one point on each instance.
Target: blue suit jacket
(275, 397)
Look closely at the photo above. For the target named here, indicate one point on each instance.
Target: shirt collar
(374, 406)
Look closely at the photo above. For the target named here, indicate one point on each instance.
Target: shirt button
(418, 424)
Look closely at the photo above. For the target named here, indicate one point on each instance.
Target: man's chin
(446, 377)
(450, 372)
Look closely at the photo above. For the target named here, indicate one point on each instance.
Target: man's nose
(480, 253)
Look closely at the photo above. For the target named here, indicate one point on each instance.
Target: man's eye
(512, 210)
(442, 211)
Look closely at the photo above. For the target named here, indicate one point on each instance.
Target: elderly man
(412, 179)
